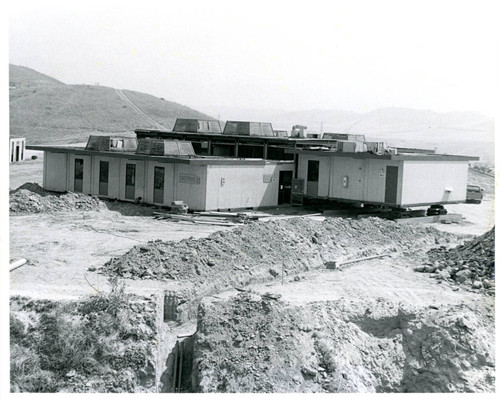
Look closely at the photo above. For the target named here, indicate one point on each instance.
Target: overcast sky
(353, 55)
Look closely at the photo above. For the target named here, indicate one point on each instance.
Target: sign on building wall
(189, 179)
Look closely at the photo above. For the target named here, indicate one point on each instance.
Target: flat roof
(234, 137)
(391, 157)
(196, 160)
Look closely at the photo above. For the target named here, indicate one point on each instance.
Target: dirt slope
(251, 343)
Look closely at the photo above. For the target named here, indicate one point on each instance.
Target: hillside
(45, 110)
(20, 76)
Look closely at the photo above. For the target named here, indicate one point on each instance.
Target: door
(130, 181)
(159, 185)
(78, 186)
(391, 185)
(312, 178)
(103, 177)
(17, 153)
(285, 187)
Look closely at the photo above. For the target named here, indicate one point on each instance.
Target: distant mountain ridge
(47, 111)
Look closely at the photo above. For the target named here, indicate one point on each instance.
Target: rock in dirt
(469, 263)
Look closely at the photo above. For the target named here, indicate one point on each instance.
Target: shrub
(26, 374)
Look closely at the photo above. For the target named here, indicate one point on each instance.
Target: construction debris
(471, 264)
(31, 198)
(178, 207)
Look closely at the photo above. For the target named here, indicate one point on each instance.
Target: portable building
(204, 183)
(399, 180)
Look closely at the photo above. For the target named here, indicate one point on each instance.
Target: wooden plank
(449, 218)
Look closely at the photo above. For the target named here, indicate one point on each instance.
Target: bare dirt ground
(366, 312)
(61, 247)
(392, 277)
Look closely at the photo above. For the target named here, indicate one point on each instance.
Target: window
(103, 172)
(159, 178)
(313, 171)
(79, 169)
(116, 143)
(130, 175)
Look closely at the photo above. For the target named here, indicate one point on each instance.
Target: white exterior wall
(243, 186)
(190, 185)
(353, 170)
(426, 182)
(376, 170)
(365, 177)
(55, 171)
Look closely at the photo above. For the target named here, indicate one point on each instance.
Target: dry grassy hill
(45, 110)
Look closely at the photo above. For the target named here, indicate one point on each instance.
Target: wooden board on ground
(450, 218)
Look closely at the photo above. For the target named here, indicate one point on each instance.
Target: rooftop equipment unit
(280, 133)
(109, 143)
(351, 146)
(375, 147)
(344, 136)
(298, 131)
(242, 128)
(159, 147)
(197, 126)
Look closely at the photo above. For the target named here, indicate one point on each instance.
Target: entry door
(391, 185)
(312, 178)
(130, 181)
(159, 185)
(78, 186)
(285, 187)
(103, 177)
(17, 153)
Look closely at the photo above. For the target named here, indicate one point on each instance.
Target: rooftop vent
(149, 146)
(108, 143)
(242, 128)
(197, 126)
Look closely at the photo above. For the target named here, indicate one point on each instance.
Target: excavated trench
(404, 351)
(319, 348)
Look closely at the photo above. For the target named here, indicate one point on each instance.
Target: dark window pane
(130, 175)
(79, 169)
(103, 172)
(313, 171)
(159, 178)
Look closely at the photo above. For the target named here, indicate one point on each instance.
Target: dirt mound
(33, 187)
(31, 198)
(256, 344)
(298, 244)
(471, 264)
(258, 252)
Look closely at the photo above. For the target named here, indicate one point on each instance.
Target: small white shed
(17, 149)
